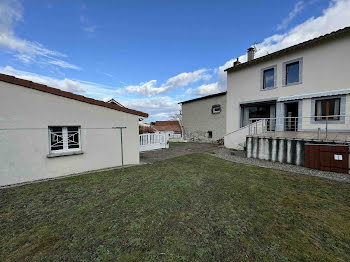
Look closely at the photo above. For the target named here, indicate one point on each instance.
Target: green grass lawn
(191, 208)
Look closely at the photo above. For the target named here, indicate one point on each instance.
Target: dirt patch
(175, 150)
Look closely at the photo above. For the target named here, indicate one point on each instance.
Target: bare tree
(176, 116)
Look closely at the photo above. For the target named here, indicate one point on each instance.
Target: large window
(327, 109)
(269, 78)
(292, 73)
(64, 138)
(252, 113)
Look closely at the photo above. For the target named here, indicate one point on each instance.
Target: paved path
(176, 149)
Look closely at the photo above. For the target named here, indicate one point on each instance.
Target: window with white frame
(64, 139)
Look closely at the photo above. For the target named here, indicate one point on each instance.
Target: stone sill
(52, 155)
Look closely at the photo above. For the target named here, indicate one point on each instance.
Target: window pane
(73, 137)
(269, 78)
(292, 73)
(323, 108)
(329, 107)
(56, 138)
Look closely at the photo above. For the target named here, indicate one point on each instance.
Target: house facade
(46, 132)
(303, 88)
(204, 118)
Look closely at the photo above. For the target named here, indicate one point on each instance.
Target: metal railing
(319, 127)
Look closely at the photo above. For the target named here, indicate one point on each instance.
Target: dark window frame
(216, 106)
(210, 134)
(290, 64)
(264, 78)
(326, 117)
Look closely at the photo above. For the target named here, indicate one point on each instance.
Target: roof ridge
(55, 91)
(203, 97)
(289, 48)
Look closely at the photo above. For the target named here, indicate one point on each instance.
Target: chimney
(236, 63)
(250, 53)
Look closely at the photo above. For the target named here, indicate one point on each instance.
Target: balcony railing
(319, 127)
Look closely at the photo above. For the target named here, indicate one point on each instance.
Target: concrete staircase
(237, 138)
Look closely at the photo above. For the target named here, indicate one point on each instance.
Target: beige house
(204, 118)
(46, 132)
(300, 91)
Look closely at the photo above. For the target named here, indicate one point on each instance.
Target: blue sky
(149, 55)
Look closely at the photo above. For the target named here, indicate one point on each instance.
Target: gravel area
(239, 157)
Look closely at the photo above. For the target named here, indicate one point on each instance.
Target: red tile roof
(171, 125)
(58, 92)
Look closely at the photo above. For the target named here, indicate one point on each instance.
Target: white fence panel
(153, 141)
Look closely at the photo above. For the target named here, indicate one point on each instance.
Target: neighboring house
(113, 101)
(171, 128)
(46, 132)
(300, 91)
(204, 118)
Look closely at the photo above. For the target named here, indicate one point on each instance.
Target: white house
(46, 132)
(301, 91)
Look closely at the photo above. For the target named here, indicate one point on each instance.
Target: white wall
(325, 67)
(197, 119)
(23, 153)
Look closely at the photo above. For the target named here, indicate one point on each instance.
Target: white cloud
(208, 89)
(149, 88)
(90, 29)
(187, 78)
(64, 84)
(298, 7)
(64, 64)
(83, 19)
(189, 91)
(159, 108)
(335, 17)
(10, 12)
(26, 51)
(145, 89)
